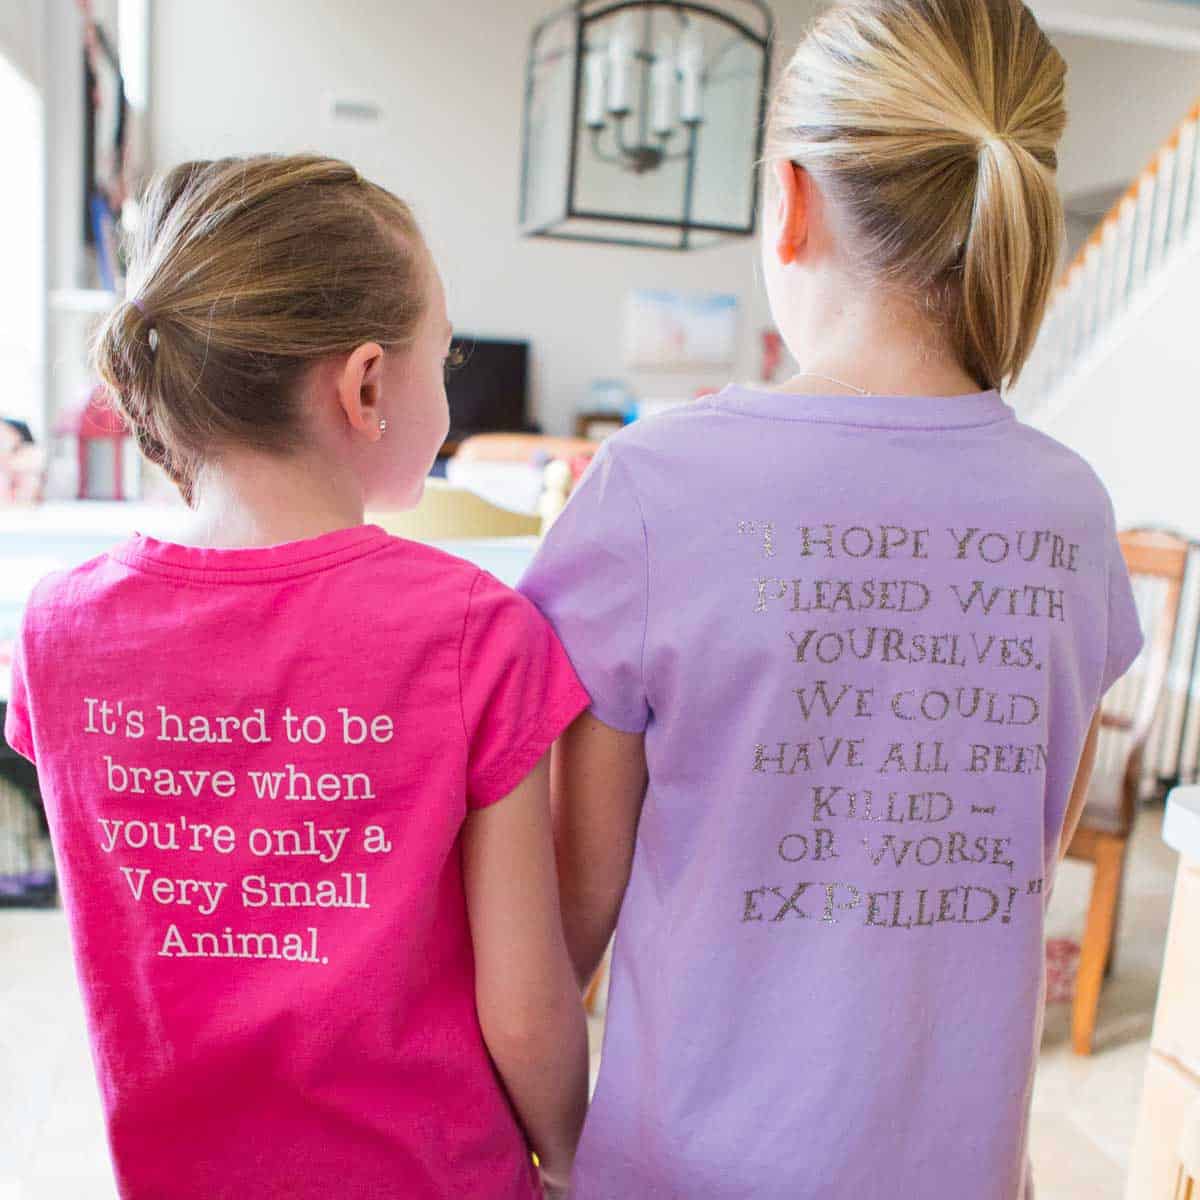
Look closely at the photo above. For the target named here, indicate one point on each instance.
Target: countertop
(1181, 827)
(54, 537)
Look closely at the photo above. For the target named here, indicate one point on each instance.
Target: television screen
(489, 390)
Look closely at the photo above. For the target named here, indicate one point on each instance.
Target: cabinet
(1171, 1092)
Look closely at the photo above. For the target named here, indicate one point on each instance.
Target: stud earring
(382, 426)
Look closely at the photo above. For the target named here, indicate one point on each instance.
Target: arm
(529, 1006)
(1079, 789)
(599, 780)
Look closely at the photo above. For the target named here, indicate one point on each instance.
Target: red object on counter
(1062, 961)
(100, 424)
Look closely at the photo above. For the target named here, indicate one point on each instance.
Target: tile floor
(52, 1146)
(1085, 1109)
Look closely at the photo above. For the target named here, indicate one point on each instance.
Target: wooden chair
(1187, 1170)
(1157, 562)
(599, 983)
(447, 512)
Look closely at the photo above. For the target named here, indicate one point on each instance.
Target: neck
(252, 499)
(876, 345)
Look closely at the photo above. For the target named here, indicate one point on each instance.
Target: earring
(382, 426)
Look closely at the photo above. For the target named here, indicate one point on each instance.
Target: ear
(792, 214)
(359, 386)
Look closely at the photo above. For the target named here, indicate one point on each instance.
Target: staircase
(1117, 277)
(1115, 374)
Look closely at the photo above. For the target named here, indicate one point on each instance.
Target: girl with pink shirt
(295, 768)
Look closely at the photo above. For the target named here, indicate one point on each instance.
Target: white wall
(66, 374)
(20, 248)
(1175, 23)
(21, 36)
(22, 212)
(1123, 101)
(231, 77)
(1135, 413)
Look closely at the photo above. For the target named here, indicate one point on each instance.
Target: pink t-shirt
(256, 764)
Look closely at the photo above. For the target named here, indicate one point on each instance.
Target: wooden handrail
(1149, 172)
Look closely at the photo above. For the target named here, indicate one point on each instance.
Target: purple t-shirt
(864, 638)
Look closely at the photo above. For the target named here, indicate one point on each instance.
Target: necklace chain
(830, 379)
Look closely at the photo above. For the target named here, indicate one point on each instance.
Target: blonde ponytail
(933, 125)
(1010, 261)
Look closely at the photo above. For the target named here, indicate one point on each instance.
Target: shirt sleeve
(590, 579)
(1124, 626)
(518, 689)
(18, 729)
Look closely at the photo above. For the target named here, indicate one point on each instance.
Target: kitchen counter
(56, 537)
(1181, 827)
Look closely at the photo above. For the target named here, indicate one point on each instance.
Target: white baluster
(1193, 205)
(1045, 351)
(1106, 255)
(1184, 170)
(1164, 179)
(1073, 313)
(1091, 273)
(1054, 364)
(1126, 231)
(1143, 219)
(1070, 319)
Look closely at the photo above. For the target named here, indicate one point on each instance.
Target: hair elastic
(995, 144)
(152, 333)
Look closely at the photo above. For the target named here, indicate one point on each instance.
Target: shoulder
(424, 561)
(59, 612)
(436, 579)
(67, 593)
(624, 472)
(495, 606)
(1063, 472)
(501, 627)
(419, 586)
(666, 430)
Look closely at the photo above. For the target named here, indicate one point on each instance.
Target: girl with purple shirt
(845, 642)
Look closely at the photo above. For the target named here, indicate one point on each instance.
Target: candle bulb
(595, 90)
(662, 85)
(691, 71)
(620, 60)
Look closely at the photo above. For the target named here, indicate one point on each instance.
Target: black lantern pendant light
(643, 122)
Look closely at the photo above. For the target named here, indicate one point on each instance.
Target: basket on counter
(27, 876)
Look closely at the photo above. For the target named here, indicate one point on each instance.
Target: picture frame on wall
(680, 331)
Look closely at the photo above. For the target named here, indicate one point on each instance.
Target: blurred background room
(585, 178)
